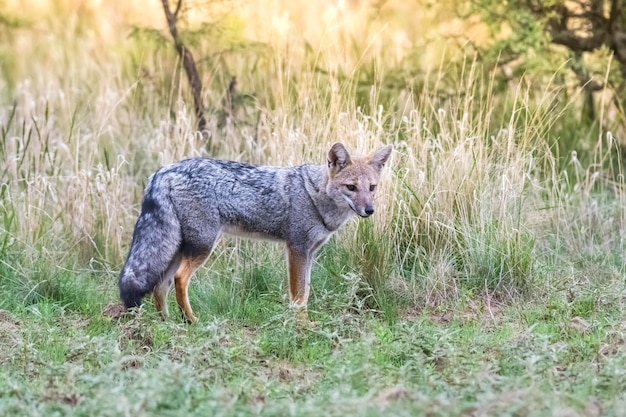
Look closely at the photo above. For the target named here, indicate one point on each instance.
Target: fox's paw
(302, 319)
(189, 318)
(309, 325)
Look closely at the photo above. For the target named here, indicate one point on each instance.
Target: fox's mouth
(354, 209)
(363, 214)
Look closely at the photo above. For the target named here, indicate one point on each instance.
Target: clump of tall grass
(471, 203)
(466, 201)
(476, 185)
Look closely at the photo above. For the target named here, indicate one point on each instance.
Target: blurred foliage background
(399, 47)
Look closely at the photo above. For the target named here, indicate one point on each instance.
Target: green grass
(562, 354)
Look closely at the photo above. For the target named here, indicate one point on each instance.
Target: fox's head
(353, 181)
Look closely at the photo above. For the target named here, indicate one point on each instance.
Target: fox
(189, 204)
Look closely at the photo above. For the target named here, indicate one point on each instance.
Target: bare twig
(189, 64)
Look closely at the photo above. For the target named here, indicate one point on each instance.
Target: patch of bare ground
(52, 394)
(285, 372)
(114, 311)
(614, 342)
(388, 396)
(9, 330)
(8, 323)
(580, 325)
(484, 308)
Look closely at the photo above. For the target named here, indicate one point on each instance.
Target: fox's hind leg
(159, 295)
(200, 229)
(188, 266)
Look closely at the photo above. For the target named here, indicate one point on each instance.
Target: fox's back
(242, 198)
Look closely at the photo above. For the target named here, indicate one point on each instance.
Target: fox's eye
(372, 187)
(351, 187)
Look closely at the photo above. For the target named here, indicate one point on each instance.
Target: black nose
(369, 211)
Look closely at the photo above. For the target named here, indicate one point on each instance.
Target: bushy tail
(131, 290)
(156, 240)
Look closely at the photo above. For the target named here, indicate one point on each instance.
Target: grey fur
(188, 204)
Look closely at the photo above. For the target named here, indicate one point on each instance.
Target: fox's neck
(331, 215)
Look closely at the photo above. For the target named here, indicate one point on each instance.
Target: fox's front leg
(300, 262)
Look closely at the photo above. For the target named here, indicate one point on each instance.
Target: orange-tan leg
(188, 266)
(299, 281)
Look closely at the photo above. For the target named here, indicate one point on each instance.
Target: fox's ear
(338, 158)
(380, 157)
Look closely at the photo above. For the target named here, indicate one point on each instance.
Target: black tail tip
(131, 295)
(131, 300)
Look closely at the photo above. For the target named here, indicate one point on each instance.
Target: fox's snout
(363, 211)
(369, 210)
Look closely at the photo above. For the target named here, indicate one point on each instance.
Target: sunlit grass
(475, 175)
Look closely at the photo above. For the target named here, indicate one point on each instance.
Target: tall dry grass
(474, 200)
